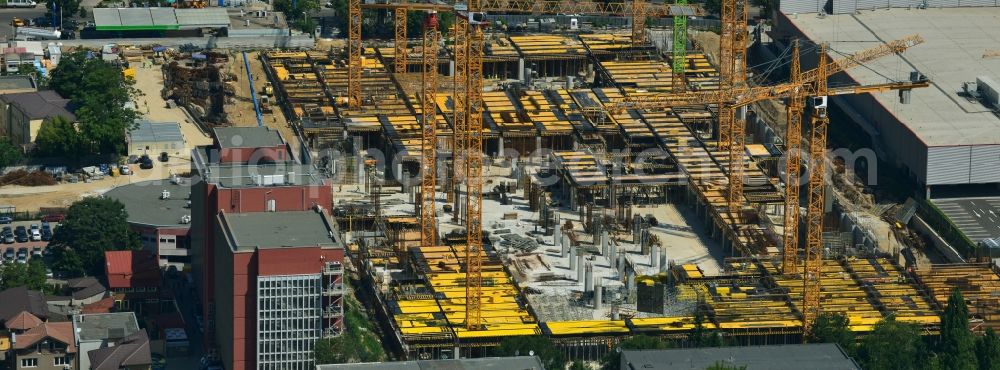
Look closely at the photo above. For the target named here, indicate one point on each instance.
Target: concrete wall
(155, 148)
(44, 358)
(284, 42)
(16, 126)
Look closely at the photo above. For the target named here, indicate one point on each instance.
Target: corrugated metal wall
(801, 6)
(851, 6)
(948, 165)
(985, 166)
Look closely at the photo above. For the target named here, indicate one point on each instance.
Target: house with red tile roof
(133, 277)
(47, 346)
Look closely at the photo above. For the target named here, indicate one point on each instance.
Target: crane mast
(814, 213)
(460, 98)
(474, 175)
(679, 52)
(793, 152)
(428, 146)
(354, 54)
(400, 52)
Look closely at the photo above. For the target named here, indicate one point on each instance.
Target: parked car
(22, 255)
(7, 235)
(125, 170)
(164, 157)
(145, 162)
(9, 255)
(54, 217)
(46, 235)
(36, 252)
(35, 232)
(5, 220)
(21, 234)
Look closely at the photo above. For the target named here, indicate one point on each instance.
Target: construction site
(590, 185)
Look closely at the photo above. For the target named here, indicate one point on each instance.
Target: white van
(18, 4)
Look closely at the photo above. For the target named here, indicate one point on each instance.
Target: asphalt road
(8, 14)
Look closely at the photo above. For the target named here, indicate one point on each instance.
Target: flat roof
(137, 19)
(8, 83)
(488, 363)
(144, 206)
(102, 326)
(247, 137)
(263, 230)
(820, 356)
(148, 131)
(955, 40)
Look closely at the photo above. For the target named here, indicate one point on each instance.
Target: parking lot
(31, 246)
(978, 218)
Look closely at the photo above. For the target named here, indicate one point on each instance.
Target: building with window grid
(278, 287)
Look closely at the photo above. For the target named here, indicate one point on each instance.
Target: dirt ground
(241, 112)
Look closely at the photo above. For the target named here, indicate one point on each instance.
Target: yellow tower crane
(428, 124)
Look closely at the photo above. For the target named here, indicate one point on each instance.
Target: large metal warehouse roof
(942, 136)
(145, 19)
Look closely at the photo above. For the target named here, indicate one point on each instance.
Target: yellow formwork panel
(500, 330)
(587, 327)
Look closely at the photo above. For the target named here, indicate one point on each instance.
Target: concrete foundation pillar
(588, 278)
(563, 246)
(520, 69)
(579, 267)
(598, 293)
(572, 259)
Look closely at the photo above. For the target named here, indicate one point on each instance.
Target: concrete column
(573, 252)
(621, 266)
(564, 246)
(598, 292)
(654, 258)
(451, 68)
(588, 278)
(557, 232)
(579, 267)
(520, 69)
(605, 246)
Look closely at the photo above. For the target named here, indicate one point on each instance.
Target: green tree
(93, 225)
(957, 346)
(58, 138)
(988, 351)
(578, 365)
(101, 94)
(296, 9)
(359, 341)
(832, 328)
(718, 365)
(10, 154)
(30, 275)
(552, 357)
(891, 345)
(612, 360)
(701, 337)
(68, 7)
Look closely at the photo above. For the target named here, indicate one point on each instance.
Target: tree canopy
(92, 226)
(891, 345)
(58, 137)
(988, 351)
(552, 357)
(957, 345)
(832, 328)
(10, 154)
(100, 93)
(30, 275)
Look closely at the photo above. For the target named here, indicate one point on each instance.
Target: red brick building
(249, 177)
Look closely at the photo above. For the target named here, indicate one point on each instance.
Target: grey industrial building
(820, 356)
(488, 363)
(948, 137)
(941, 138)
